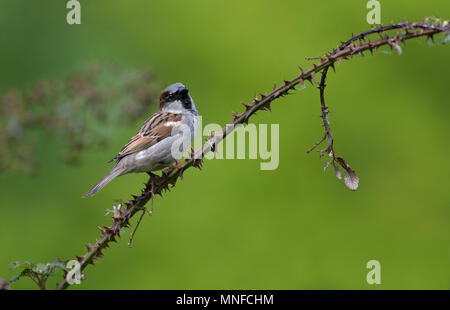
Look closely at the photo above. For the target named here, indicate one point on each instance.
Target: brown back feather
(152, 131)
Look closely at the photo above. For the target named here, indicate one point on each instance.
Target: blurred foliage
(82, 110)
(37, 272)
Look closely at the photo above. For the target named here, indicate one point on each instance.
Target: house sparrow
(152, 147)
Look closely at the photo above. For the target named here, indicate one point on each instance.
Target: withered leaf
(396, 47)
(337, 171)
(351, 180)
(327, 164)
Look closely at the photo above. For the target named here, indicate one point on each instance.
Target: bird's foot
(176, 165)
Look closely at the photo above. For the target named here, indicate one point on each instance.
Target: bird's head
(176, 99)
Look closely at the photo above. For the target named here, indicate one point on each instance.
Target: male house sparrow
(151, 148)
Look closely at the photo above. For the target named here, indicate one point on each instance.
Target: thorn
(266, 107)
(98, 255)
(236, 116)
(246, 116)
(332, 67)
(311, 78)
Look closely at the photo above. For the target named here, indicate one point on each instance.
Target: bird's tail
(115, 172)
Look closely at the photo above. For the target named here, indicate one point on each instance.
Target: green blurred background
(231, 225)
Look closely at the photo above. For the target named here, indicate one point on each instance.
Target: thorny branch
(356, 45)
(326, 123)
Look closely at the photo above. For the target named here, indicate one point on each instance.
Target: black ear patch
(187, 104)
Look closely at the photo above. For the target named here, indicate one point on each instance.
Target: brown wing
(155, 129)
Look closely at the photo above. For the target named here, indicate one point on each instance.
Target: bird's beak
(183, 91)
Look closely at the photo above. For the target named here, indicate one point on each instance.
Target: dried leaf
(351, 180)
(397, 48)
(337, 171)
(327, 164)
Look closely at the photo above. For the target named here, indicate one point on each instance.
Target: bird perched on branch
(162, 139)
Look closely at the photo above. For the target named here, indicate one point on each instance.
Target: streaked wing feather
(152, 131)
